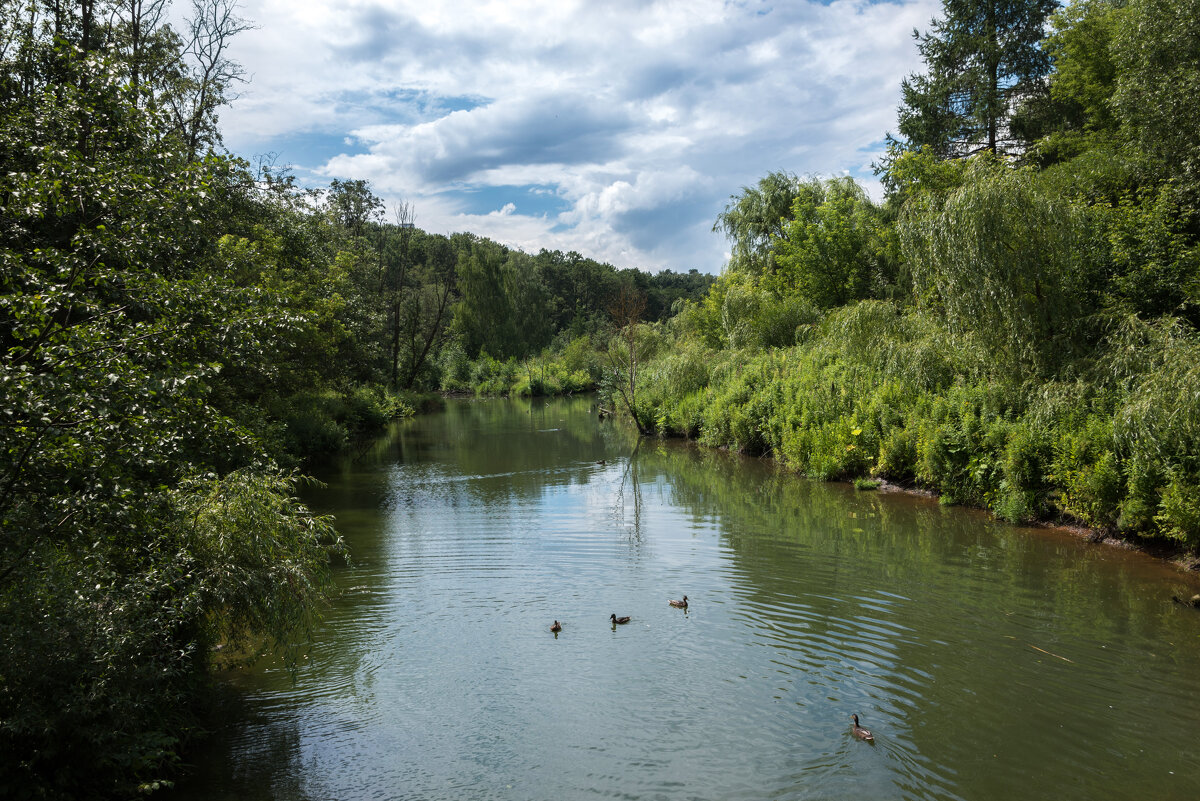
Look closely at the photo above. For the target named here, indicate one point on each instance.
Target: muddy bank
(1172, 553)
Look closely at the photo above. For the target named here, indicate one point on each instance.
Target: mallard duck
(860, 732)
(619, 620)
(679, 604)
(556, 627)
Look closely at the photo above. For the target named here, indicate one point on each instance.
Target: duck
(679, 604)
(861, 733)
(1193, 602)
(556, 627)
(619, 620)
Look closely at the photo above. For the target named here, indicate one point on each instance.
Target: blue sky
(618, 129)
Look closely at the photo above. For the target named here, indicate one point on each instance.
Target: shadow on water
(977, 652)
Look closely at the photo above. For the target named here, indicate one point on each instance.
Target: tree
(483, 315)
(1157, 50)
(625, 353)
(426, 307)
(834, 248)
(983, 58)
(352, 205)
(527, 300)
(754, 221)
(204, 79)
(135, 26)
(1076, 113)
(141, 523)
(1007, 263)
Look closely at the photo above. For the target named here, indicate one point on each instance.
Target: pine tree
(983, 58)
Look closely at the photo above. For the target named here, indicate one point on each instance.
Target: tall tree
(206, 77)
(624, 353)
(754, 221)
(834, 249)
(983, 58)
(483, 316)
(1005, 261)
(1157, 51)
(140, 524)
(427, 307)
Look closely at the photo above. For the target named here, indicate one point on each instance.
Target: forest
(1013, 326)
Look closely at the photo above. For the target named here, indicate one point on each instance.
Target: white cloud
(617, 129)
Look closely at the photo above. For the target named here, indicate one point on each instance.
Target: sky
(614, 128)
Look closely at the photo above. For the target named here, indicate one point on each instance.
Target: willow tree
(754, 221)
(1006, 263)
(983, 58)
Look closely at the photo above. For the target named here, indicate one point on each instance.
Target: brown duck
(860, 732)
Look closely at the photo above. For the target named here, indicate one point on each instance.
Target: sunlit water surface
(991, 662)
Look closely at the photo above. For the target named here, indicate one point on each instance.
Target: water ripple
(976, 655)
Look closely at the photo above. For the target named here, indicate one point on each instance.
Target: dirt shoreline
(1169, 553)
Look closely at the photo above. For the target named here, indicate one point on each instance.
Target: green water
(991, 662)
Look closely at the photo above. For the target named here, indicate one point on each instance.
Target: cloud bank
(617, 129)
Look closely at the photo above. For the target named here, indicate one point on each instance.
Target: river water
(991, 662)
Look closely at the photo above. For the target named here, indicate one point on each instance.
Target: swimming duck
(557, 627)
(613, 617)
(860, 732)
(679, 604)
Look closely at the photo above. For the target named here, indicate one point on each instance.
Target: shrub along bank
(877, 389)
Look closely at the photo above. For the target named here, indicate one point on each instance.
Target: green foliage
(352, 205)
(454, 367)
(1179, 515)
(1086, 470)
(141, 517)
(257, 561)
(1155, 258)
(1023, 492)
(1156, 48)
(493, 377)
(836, 247)
(1002, 259)
(1077, 114)
(907, 173)
(754, 220)
(982, 57)
(321, 423)
(1044, 363)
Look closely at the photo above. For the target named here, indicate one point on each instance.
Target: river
(990, 661)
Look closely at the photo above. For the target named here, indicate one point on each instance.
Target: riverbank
(1172, 553)
(880, 391)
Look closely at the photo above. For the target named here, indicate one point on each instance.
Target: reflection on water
(991, 662)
